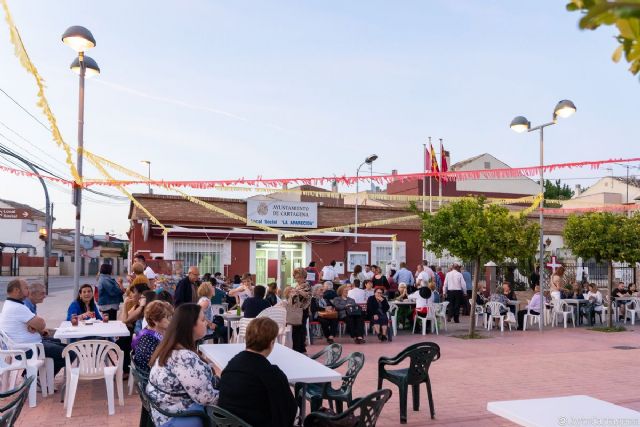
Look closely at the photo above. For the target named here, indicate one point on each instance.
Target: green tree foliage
(624, 14)
(557, 190)
(471, 230)
(604, 236)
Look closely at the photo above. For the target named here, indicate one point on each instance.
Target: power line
(25, 110)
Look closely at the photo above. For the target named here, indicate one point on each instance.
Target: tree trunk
(610, 290)
(472, 303)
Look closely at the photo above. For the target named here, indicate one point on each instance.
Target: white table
(401, 303)
(577, 303)
(114, 328)
(516, 303)
(296, 366)
(578, 410)
(230, 318)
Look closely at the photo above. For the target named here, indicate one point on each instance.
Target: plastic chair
(331, 354)
(432, 309)
(12, 362)
(141, 380)
(35, 365)
(222, 418)
(279, 315)
(219, 309)
(10, 412)
(531, 318)
(316, 393)
(480, 312)
(420, 357)
(632, 312)
(95, 359)
(365, 410)
(393, 316)
(442, 312)
(561, 308)
(493, 312)
(242, 329)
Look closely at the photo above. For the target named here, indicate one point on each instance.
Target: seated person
(436, 295)
(377, 309)
(272, 294)
(216, 330)
(535, 305)
(632, 290)
(24, 327)
(501, 297)
(324, 313)
(252, 306)
(329, 292)
(368, 288)
(179, 379)
(355, 323)
(158, 315)
(576, 292)
(509, 293)
(251, 387)
(244, 291)
(595, 297)
(84, 305)
(618, 292)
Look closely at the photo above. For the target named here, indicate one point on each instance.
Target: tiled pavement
(509, 365)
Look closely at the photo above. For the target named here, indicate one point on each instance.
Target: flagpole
(424, 178)
(430, 195)
(440, 180)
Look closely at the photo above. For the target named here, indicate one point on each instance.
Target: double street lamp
(80, 39)
(520, 124)
(368, 161)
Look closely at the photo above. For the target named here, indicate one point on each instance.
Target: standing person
(254, 389)
(148, 271)
(419, 269)
(425, 276)
(454, 290)
(534, 278)
(377, 308)
(556, 284)
(84, 305)
(467, 300)
(313, 275)
(186, 289)
(36, 296)
(404, 275)
(379, 279)
(441, 276)
(355, 323)
(110, 292)
(298, 301)
(368, 274)
(329, 272)
(357, 275)
(180, 380)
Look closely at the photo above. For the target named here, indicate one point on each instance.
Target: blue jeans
(186, 421)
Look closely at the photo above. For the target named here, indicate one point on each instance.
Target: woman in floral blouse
(180, 380)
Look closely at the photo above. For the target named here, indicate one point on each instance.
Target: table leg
(303, 404)
(228, 331)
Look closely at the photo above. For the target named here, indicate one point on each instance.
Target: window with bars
(382, 253)
(205, 254)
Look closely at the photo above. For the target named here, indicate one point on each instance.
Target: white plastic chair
(632, 312)
(480, 312)
(431, 315)
(95, 359)
(279, 315)
(393, 315)
(532, 318)
(242, 329)
(561, 308)
(442, 312)
(35, 365)
(12, 362)
(219, 309)
(493, 312)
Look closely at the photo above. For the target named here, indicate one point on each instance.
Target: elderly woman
(377, 308)
(350, 313)
(404, 311)
(158, 315)
(324, 313)
(297, 304)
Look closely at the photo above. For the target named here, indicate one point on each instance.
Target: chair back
(560, 306)
(219, 309)
(355, 362)
(278, 314)
(443, 308)
(366, 410)
(494, 307)
(141, 383)
(432, 310)
(222, 418)
(393, 310)
(331, 354)
(242, 328)
(5, 341)
(479, 309)
(10, 411)
(420, 357)
(92, 357)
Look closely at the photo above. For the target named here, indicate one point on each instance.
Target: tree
(471, 230)
(624, 14)
(604, 236)
(555, 191)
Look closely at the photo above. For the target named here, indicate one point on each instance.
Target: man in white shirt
(25, 327)
(151, 275)
(425, 276)
(358, 295)
(329, 273)
(368, 274)
(453, 290)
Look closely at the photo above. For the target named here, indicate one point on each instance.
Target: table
(577, 410)
(577, 303)
(114, 328)
(399, 303)
(296, 366)
(231, 317)
(516, 304)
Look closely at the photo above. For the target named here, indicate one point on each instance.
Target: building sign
(276, 213)
(12, 213)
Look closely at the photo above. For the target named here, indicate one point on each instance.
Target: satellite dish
(145, 229)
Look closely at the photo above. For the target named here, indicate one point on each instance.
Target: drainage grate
(624, 347)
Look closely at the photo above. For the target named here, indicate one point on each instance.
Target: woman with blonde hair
(297, 305)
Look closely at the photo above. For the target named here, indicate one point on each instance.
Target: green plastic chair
(421, 355)
(316, 393)
(223, 418)
(10, 412)
(364, 412)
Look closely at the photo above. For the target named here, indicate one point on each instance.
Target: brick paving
(509, 365)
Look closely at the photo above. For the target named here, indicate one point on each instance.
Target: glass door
(291, 257)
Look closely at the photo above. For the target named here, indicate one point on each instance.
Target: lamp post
(148, 162)
(80, 39)
(564, 108)
(368, 161)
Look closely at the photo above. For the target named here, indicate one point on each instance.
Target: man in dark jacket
(186, 289)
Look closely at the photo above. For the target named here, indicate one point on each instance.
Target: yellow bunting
(21, 52)
(536, 203)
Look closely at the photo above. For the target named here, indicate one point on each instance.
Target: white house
(611, 190)
(20, 224)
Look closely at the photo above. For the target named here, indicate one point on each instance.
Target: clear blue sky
(213, 90)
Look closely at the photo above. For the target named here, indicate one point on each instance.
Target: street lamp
(564, 109)
(80, 39)
(368, 161)
(148, 162)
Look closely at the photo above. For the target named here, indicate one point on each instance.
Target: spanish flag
(434, 160)
(443, 158)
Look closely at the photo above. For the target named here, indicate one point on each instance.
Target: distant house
(611, 190)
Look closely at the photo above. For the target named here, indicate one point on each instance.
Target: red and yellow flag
(434, 160)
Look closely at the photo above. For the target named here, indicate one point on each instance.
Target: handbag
(353, 310)
(328, 314)
(511, 318)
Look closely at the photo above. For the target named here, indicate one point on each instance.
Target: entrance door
(291, 257)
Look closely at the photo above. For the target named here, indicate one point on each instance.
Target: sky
(220, 90)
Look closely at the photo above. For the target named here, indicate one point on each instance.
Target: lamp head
(91, 66)
(520, 124)
(78, 38)
(372, 158)
(564, 109)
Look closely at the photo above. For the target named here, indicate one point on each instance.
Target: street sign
(12, 213)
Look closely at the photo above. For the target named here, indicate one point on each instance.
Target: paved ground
(509, 365)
